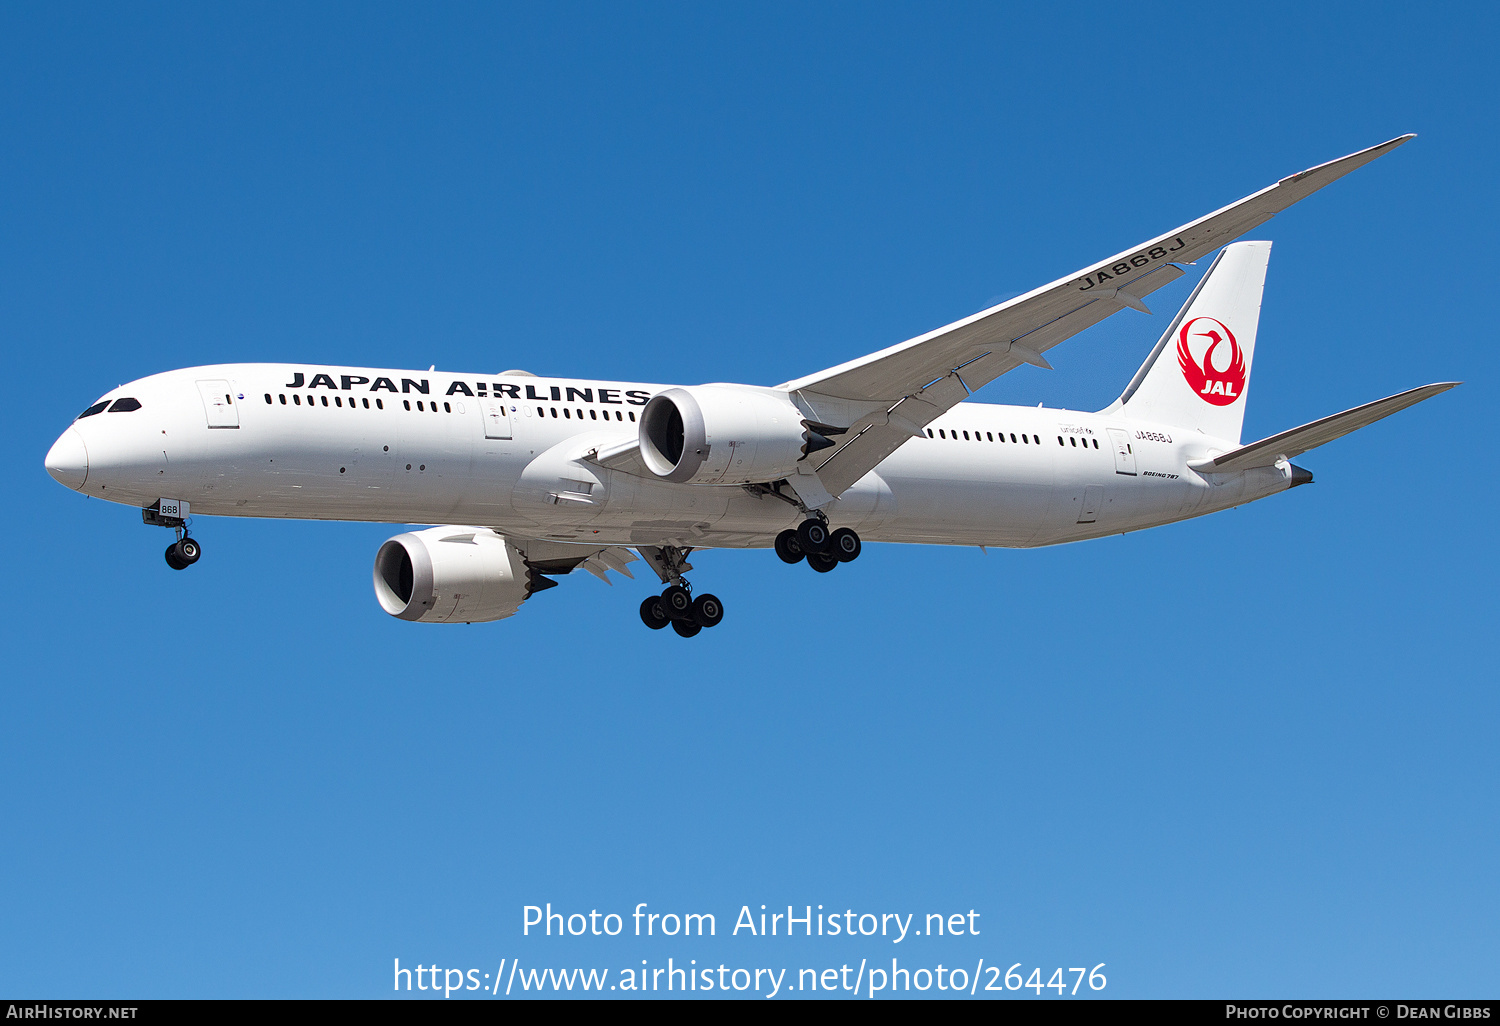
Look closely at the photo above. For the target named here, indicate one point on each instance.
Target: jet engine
(451, 575)
(726, 434)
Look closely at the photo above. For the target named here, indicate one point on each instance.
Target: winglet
(1346, 164)
(1303, 184)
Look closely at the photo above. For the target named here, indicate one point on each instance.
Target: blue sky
(1248, 755)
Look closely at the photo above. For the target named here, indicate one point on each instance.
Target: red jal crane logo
(1219, 387)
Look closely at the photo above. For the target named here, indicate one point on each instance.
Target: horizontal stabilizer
(1298, 440)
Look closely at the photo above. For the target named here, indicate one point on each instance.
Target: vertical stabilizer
(1197, 376)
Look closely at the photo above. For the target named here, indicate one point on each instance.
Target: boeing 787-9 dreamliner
(529, 478)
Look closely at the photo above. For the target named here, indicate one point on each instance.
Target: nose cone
(68, 460)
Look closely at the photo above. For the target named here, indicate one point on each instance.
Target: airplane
(529, 478)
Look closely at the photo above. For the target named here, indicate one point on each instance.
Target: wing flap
(1298, 440)
(875, 436)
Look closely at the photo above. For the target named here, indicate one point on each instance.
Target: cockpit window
(96, 408)
(125, 406)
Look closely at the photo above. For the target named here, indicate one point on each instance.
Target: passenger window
(567, 414)
(282, 398)
(540, 412)
(447, 407)
(1024, 440)
(297, 399)
(366, 402)
(125, 406)
(632, 416)
(96, 408)
(420, 407)
(990, 435)
(325, 400)
(1096, 443)
(593, 415)
(407, 404)
(379, 405)
(1073, 440)
(1012, 436)
(1037, 439)
(338, 401)
(617, 415)
(966, 436)
(554, 413)
(943, 434)
(268, 398)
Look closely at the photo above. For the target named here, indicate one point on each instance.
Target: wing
(1298, 440)
(890, 396)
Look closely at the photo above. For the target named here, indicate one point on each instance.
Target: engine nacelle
(451, 575)
(724, 434)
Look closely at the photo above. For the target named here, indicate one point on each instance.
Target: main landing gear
(823, 549)
(183, 552)
(676, 606)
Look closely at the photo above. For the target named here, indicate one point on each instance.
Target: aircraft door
(218, 404)
(1124, 454)
(496, 418)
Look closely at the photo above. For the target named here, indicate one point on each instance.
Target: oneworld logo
(1212, 384)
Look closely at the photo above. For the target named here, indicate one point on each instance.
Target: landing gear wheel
(188, 551)
(844, 545)
(813, 534)
(789, 547)
(822, 562)
(685, 629)
(652, 614)
(172, 559)
(677, 603)
(708, 610)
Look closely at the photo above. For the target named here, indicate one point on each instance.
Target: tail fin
(1201, 380)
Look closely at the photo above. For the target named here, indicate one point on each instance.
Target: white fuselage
(426, 448)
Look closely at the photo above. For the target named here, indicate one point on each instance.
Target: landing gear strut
(823, 549)
(676, 606)
(185, 551)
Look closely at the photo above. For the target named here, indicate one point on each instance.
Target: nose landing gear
(170, 513)
(823, 549)
(183, 553)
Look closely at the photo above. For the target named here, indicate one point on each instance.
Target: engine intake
(725, 434)
(451, 575)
